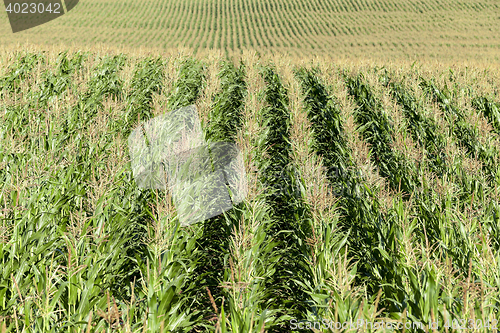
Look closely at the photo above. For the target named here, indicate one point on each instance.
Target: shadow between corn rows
(373, 235)
(225, 120)
(290, 217)
(474, 189)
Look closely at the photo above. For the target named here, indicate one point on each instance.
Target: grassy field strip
(225, 39)
(291, 15)
(290, 39)
(201, 39)
(255, 38)
(195, 41)
(204, 42)
(250, 38)
(258, 15)
(181, 18)
(380, 29)
(210, 28)
(271, 30)
(213, 26)
(238, 33)
(285, 37)
(194, 16)
(230, 35)
(171, 17)
(217, 24)
(315, 26)
(220, 19)
(309, 26)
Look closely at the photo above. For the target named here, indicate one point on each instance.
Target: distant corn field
(373, 195)
(434, 29)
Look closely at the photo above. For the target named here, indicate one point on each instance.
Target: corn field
(373, 194)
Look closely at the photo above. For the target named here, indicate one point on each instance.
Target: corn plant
(147, 80)
(423, 129)
(19, 71)
(54, 84)
(466, 134)
(190, 84)
(50, 86)
(225, 116)
(377, 129)
(430, 206)
(104, 83)
(490, 109)
(84, 249)
(42, 228)
(169, 276)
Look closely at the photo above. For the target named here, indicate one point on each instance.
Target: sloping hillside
(430, 29)
(373, 194)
